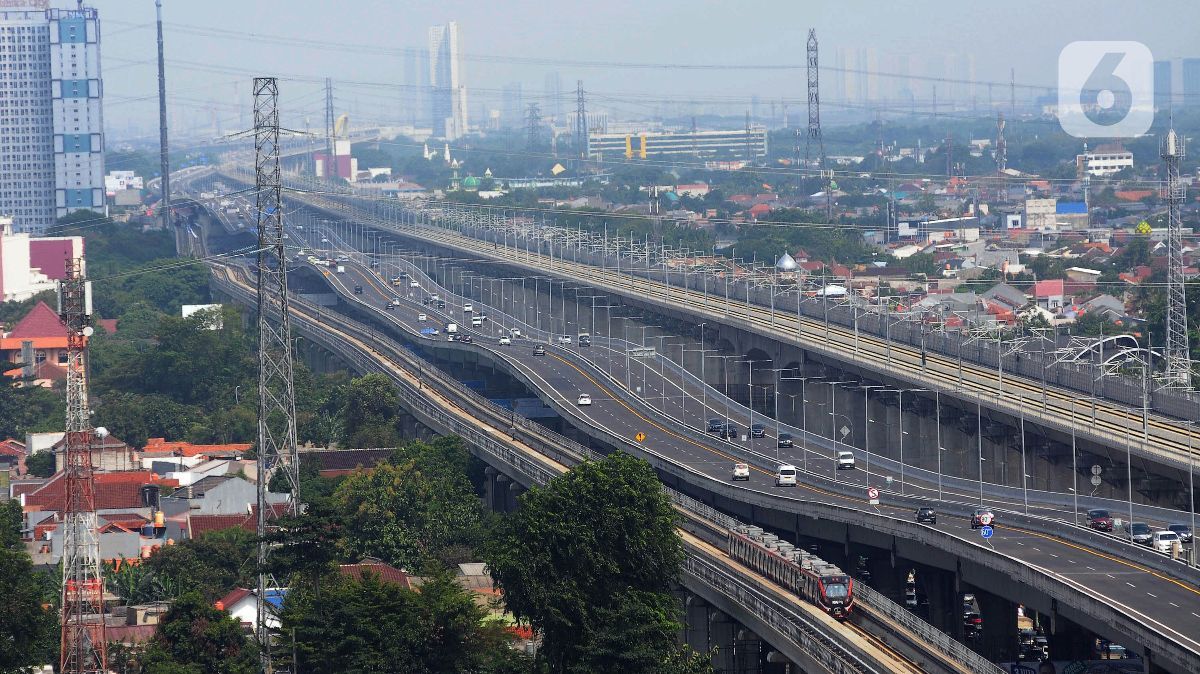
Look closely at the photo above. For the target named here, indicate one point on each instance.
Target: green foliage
(421, 507)
(210, 565)
(369, 414)
(592, 550)
(29, 409)
(28, 632)
(357, 626)
(40, 464)
(766, 243)
(195, 638)
(13, 311)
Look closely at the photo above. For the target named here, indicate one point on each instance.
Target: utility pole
(83, 641)
(329, 124)
(949, 155)
(1179, 366)
(276, 394)
(163, 158)
(533, 123)
(1012, 92)
(581, 124)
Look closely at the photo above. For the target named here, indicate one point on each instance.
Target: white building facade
(51, 122)
(448, 91)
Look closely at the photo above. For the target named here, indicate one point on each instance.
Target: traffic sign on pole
(873, 495)
(985, 519)
(986, 532)
(640, 437)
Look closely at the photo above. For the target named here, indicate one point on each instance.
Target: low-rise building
(1104, 160)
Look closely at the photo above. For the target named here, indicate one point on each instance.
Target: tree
(407, 512)
(195, 638)
(370, 412)
(210, 565)
(40, 464)
(28, 631)
(583, 556)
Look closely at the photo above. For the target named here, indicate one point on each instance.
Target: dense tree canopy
(210, 565)
(195, 638)
(28, 632)
(583, 557)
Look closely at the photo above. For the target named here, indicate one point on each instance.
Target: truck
(341, 269)
(452, 328)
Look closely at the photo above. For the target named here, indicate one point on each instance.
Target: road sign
(642, 352)
(985, 519)
(640, 437)
(873, 496)
(986, 532)
(844, 431)
(1096, 470)
(1096, 480)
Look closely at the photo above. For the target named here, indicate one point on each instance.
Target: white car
(564, 339)
(505, 341)
(584, 399)
(741, 471)
(515, 332)
(468, 308)
(414, 284)
(845, 460)
(1164, 540)
(785, 476)
(422, 317)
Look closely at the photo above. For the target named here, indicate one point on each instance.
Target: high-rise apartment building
(447, 90)
(1191, 82)
(1162, 84)
(51, 121)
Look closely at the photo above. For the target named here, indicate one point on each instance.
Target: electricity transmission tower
(814, 106)
(162, 125)
(533, 123)
(84, 646)
(581, 123)
(1178, 357)
(276, 396)
(329, 127)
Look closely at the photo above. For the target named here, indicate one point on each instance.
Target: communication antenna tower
(1178, 358)
(276, 394)
(84, 645)
(814, 106)
(162, 125)
(533, 123)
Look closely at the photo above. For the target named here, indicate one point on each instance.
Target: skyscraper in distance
(1191, 82)
(51, 118)
(447, 90)
(1162, 84)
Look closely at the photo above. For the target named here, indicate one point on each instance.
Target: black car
(426, 301)
(465, 339)
(441, 305)
(926, 516)
(1182, 530)
(757, 430)
(357, 290)
(785, 440)
(539, 350)
(729, 432)
(389, 307)
(584, 340)
(715, 425)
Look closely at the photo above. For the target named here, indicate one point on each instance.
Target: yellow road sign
(640, 437)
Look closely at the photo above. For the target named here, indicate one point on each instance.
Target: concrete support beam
(999, 627)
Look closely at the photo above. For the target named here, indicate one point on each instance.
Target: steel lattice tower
(1178, 356)
(84, 646)
(1001, 144)
(814, 106)
(276, 396)
(162, 125)
(329, 126)
(533, 124)
(581, 124)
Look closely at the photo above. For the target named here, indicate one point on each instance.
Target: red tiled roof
(12, 447)
(180, 448)
(234, 596)
(114, 490)
(1048, 288)
(41, 321)
(202, 524)
(385, 572)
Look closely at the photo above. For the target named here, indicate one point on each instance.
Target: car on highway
(729, 432)
(1099, 519)
(357, 290)
(785, 475)
(396, 280)
(845, 460)
(465, 339)
(585, 339)
(584, 399)
(468, 308)
(1164, 541)
(342, 258)
(413, 284)
(477, 321)
(324, 239)
(982, 517)
(715, 424)
(785, 440)
(926, 515)
(1182, 530)
(422, 317)
(539, 350)
(1139, 532)
(515, 333)
(441, 304)
(758, 430)
(402, 274)
(505, 341)
(374, 264)
(564, 339)
(741, 471)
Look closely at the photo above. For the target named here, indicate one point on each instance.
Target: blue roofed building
(1072, 215)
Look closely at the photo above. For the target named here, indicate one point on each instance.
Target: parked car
(584, 399)
(539, 350)
(1164, 541)
(1099, 519)
(1182, 530)
(785, 440)
(926, 515)
(982, 517)
(505, 341)
(741, 471)
(757, 430)
(1139, 532)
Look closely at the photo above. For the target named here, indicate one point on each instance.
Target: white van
(1164, 540)
(476, 321)
(785, 476)
(845, 460)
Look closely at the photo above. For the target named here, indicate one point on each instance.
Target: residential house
(338, 462)
(1008, 296)
(1049, 294)
(1105, 305)
(109, 453)
(242, 604)
(216, 495)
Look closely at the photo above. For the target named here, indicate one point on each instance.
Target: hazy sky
(207, 72)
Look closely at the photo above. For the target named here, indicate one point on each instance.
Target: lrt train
(817, 581)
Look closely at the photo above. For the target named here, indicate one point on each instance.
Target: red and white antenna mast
(84, 646)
